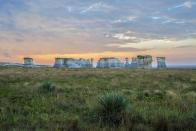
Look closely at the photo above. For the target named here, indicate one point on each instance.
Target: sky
(45, 29)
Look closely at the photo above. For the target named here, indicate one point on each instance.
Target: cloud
(157, 44)
(187, 4)
(156, 17)
(69, 9)
(132, 36)
(107, 35)
(125, 20)
(167, 19)
(96, 7)
(121, 36)
(6, 54)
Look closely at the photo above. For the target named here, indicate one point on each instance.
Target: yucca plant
(47, 87)
(111, 109)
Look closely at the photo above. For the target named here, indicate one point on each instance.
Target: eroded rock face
(134, 62)
(73, 63)
(109, 63)
(59, 62)
(28, 61)
(161, 64)
(142, 62)
(127, 65)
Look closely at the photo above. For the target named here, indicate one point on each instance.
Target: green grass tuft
(47, 87)
(111, 109)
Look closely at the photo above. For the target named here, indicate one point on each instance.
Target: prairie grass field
(68, 99)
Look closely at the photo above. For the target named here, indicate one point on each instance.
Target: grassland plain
(158, 99)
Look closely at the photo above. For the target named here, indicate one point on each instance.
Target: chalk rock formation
(161, 64)
(110, 62)
(144, 61)
(28, 61)
(72, 63)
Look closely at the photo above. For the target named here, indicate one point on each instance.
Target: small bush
(141, 127)
(159, 94)
(73, 125)
(174, 121)
(161, 124)
(111, 109)
(151, 95)
(47, 87)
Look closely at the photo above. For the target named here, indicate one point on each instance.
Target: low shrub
(73, 125)
(111, 109)
(141, 127)
(151, 95)
(174, 122)
(161, 124)
(47, 87)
